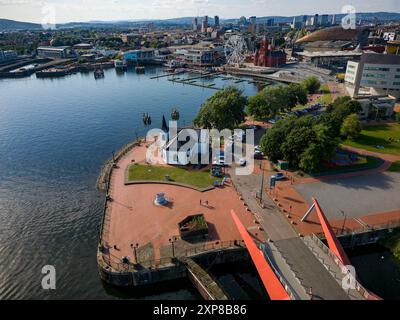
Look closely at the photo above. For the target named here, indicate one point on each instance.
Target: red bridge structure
(274, 287)
(334, 244)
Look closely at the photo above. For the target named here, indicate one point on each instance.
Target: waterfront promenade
(133, 220)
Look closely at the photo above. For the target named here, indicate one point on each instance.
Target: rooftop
(333, 34)
(315, 54)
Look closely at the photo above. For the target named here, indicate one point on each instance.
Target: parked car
(242, 162)
(258, 155)
(278, 176)
(220, 159)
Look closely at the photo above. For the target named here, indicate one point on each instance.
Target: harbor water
(55, 134)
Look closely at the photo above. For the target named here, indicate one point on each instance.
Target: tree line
(303, 141)
(308, 140)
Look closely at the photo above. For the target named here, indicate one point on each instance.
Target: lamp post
(171, 241)
(344, 221)
(262, 181)
(135, 251)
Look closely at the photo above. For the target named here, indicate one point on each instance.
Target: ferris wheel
(235, 50)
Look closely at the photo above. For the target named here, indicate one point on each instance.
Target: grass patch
(392, 242)
(326, 95)
(363, 163)
(395, 167)
(198, 179)
(373, 136)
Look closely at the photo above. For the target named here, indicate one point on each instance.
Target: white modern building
(59, 52)
(380, 73)
(183, 149)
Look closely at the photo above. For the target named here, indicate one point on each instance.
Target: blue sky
(86, 10)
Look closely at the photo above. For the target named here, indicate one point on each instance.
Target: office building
(195, 24)
(324, 20)
(216, 21)
(204, 24)
(316, 20)
(378, 72)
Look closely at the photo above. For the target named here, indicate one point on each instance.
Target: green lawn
(326, 95)
(325, 99)
(198, 179)
(373, 136)
(395, 167)
(362, 164)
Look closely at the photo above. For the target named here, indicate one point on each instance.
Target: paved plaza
(356, 196)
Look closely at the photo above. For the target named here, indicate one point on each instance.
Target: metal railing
(391, 224)
(106, 179)
(358, 286)
(118, 265)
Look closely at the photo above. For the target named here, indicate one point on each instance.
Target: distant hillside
(8, 25)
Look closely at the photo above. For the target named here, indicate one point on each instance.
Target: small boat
(140, 70)
(175, 114)
(120, 65)
(146, 119)
(98, 73)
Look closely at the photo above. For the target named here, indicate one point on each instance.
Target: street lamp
(262, 181)
(344, 221)
(135, 251)
(172, 241)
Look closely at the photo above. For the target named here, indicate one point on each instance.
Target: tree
(258, 106)
(311, 84)
(268, 102)
(398, 117)
(296, 94)
(310, 158)
(223, 110)
(337, 112)
(304, 142)
(351, 127)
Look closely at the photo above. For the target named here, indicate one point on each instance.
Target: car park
(242, 162)
(258, 155)
(278, 176)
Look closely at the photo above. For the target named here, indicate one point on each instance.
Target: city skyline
(103, 10)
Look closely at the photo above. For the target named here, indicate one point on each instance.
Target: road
(298, 256)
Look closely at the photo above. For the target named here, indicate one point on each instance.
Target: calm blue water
(55, 134)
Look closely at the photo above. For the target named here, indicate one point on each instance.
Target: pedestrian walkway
(296, 257)
(331, 266)
(309, 270)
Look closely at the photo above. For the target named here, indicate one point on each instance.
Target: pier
(205, 284)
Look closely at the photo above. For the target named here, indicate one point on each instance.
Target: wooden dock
(201, 279)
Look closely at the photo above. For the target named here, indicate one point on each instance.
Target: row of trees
(306, 141)
(303, 141)
(273, 100)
